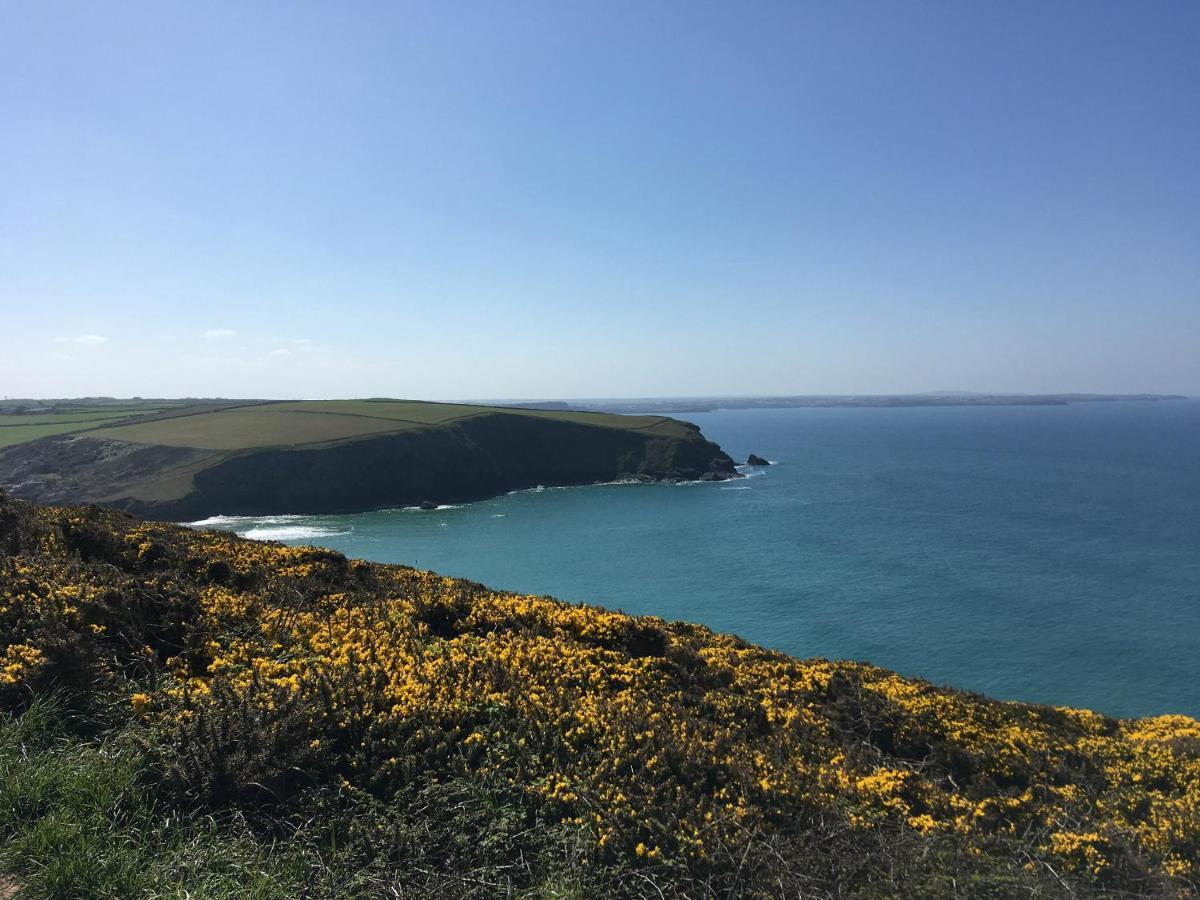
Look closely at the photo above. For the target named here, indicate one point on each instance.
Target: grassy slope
(19, 429)
(160, 458)
(11, 435)
(243, 719)
(232, 426)
(69, 417)
(82, 415)
(321, 421)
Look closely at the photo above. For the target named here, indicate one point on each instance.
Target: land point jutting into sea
(289, 721)
(573, 451)
(191, 460)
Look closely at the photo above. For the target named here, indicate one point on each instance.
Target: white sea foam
(235, 521)
(542, 488)
(225, 522)
(270, 528)
(290, 533)
(751, 471)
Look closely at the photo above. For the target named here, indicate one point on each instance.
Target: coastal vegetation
(24, 421)
(193, 712)
(242, 425)
(248, 457)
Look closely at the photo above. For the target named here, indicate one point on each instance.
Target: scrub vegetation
(192, 712)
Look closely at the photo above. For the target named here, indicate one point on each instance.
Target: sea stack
(755, 460)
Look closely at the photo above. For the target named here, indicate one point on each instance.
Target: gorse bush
(376, 729)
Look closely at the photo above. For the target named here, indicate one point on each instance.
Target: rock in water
(755, 460)
(428, 504)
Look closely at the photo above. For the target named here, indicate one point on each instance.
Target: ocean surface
(1049, 554)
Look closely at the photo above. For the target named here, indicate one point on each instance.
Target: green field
(30, 427)
(238, 429)
(20, 434)
(239, 425)
(65, 418)
(82, 415)
(324, 421)
(423, 413)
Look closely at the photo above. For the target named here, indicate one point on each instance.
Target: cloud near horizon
(83, 340)
(216, 334)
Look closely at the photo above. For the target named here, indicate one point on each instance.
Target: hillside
(342, 456)
(189, 711)
(22, 421)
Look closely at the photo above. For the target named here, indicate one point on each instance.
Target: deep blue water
(1040, 553)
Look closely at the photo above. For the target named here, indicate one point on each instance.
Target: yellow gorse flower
(598, 718)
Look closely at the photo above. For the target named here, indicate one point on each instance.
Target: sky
(566, 199)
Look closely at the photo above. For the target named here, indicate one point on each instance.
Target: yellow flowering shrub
(20, 662)
(663, 743)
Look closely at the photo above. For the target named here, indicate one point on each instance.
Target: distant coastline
(660, 405)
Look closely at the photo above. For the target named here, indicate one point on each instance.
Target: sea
(1041, 553)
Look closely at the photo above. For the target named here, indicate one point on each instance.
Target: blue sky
(468, 200)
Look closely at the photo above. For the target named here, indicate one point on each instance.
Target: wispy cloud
(216, 334)
(83, 340)
(302, 342)
(281, 352)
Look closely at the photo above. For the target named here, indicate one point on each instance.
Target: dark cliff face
(477, 458)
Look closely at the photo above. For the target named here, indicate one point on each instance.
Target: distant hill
(942, 398)
(260, 457)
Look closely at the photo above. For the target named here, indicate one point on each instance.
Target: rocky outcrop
(756, 460)
(471, 459)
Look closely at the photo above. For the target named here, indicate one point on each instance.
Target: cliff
(272, 458)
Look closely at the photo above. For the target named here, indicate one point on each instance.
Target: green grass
(84, 816)
(19, 429)
(240, 426)
(416, 411)
(322, 421)
(77, 416)
(79, 819)
(20, 434)
(245, 428)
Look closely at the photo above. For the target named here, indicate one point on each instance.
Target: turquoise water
(1040, 553)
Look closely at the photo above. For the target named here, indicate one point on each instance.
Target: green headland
(171, 459)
